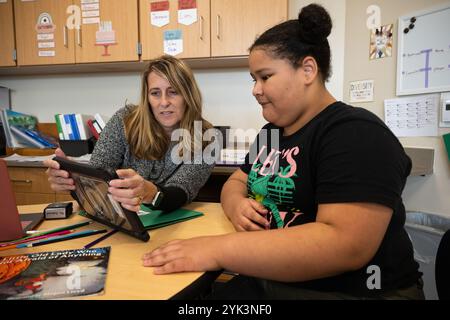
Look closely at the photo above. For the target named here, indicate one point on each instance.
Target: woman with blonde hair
(137, 142)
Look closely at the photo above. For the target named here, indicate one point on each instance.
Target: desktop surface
(127, 279)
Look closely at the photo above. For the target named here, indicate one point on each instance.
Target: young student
(137, 142)
(329, 189)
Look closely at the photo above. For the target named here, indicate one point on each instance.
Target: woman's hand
(249, 215)
(197, 254)
(60, 180)
(131, 189)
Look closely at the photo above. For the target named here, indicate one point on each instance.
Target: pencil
(34, 238)
(80, 234)
(93, 243)
(69, 227)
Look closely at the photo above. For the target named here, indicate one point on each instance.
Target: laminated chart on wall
(173, 42)
(159, 13)
(416, 116)
(90, 11)
(187, 12)
(45, 29)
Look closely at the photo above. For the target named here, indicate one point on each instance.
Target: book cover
(58, 127)
(25, 139)
(54, 274)
(83, 127)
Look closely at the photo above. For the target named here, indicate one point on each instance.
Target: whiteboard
(423, 63)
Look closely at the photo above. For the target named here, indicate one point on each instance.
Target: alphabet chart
(416, 116)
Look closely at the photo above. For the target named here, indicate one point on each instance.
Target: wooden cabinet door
(41, 33)
(108, 34)
(235, 23)
(196, 36)
(7, 34)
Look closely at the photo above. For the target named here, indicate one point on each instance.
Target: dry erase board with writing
(423, 64)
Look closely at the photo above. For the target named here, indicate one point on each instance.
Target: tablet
(92, 195)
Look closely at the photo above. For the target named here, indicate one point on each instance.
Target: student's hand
(249, 215)
(197, 254)
(131, 189)
(59, 179)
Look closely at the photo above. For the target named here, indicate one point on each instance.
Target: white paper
(361, 91)
(47, 53)
(45, 36)
(46, 45)
(89, 1)
(91, 20)
(90, 6)
(173, 42)
(187, 16)
(91, 14)
(416, 116)
(160, 18)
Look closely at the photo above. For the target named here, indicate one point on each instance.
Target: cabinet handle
(65, 37)
(218, 27)
(79, 37)
(201, 27)
(21, 181)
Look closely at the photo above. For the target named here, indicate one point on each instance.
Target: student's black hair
(294, 40)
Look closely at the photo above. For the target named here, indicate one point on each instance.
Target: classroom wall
(428, 194)
(226, 92)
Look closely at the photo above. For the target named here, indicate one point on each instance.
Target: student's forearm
(302, 253)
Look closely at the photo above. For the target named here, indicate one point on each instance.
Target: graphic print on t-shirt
(274, 187)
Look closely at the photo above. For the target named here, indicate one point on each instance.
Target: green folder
(447, 144)
(157, 218)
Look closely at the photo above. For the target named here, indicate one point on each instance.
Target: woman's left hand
(196, 254)
(130, 190)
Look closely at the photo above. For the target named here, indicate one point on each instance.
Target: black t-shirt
(343, 155)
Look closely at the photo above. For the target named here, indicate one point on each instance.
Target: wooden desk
(127, 279)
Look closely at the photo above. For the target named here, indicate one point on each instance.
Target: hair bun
(315, 24)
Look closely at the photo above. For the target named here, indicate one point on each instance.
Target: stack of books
(79, 126)
(20, 131)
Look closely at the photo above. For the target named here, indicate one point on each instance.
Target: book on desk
(54, 274)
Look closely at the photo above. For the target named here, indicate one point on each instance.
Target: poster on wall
(173, 42)
(45, 29)
(361, 91)
(381, 40)
(159, 13)
(90, 11)
(187, 12)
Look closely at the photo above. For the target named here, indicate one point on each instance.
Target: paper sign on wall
(45, 29)
(187, 12)
(90, 11)
(173, 42)
(361, 91)
(416, 116)
(159, 15)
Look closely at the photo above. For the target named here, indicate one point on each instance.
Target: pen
(80, 234)
(93, 243)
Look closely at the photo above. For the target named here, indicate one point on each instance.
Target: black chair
(442, 267)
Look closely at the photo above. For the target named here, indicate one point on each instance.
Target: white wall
(227, 95)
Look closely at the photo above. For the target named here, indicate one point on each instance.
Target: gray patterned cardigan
(112, 151)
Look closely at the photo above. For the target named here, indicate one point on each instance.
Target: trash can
(426, 231)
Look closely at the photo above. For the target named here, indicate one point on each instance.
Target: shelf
(137, 66)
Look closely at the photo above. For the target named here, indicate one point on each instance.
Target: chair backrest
(442, 267)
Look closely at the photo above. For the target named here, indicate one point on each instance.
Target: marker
(80, 234)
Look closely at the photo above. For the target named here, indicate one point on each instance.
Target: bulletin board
(423, 64)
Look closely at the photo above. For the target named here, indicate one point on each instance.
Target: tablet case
(92, 195)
